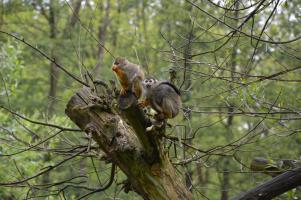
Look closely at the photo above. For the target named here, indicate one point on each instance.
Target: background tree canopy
(236, 62)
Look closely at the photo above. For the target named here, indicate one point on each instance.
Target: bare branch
(275, 187)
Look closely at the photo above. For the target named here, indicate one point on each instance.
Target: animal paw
(150, 128)
(142, 104)
(155, 126)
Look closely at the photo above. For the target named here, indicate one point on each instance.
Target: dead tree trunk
(274, 187)
(120, 134)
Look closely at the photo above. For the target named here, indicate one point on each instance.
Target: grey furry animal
(162, 96)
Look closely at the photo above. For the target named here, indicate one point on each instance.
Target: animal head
(148, 83)
(120, 64)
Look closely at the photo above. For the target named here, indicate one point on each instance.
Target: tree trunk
(226, 181)
(121, 135)
(186, 85)
(74, 17)
(226, 175)
(145, 57)
(275, 187)
(2, 13)
(115, 30)
(54, 71)
(53, 80)
(102, 33)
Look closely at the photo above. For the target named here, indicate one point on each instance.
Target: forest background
(236, 62)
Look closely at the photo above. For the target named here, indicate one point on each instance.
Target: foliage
(224, 73)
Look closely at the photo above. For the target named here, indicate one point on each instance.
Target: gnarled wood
(123, 138)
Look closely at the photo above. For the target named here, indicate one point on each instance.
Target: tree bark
(2, 13)
(186, 85)
(54, 71)
(102, 33)
(226, 175)
(275, 187)
(225, 182)
(145, 41)
(120, 133)
(74, 16)
(115, 30)
(53, 79)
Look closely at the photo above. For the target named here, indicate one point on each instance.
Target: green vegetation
(238, 71)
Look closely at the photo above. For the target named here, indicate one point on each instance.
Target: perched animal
(162, 96)
(130, 76)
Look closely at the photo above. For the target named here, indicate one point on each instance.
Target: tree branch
(274, 187)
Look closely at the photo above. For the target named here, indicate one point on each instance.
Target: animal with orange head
(130, 76)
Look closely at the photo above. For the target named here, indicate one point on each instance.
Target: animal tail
(137, 87)
(171, 107)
